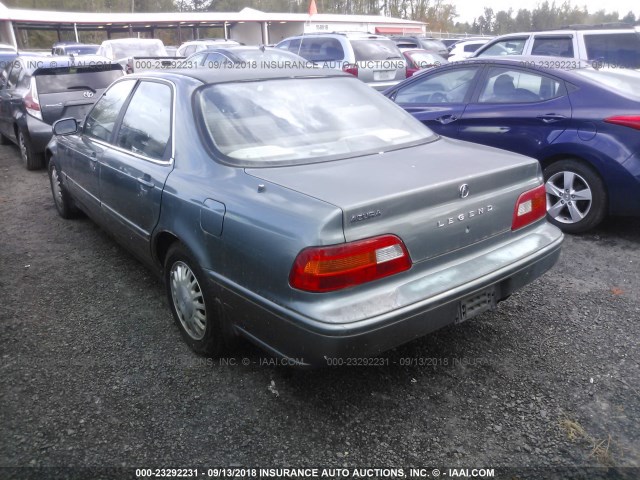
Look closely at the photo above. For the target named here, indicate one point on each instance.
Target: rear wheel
(194, 307)
(32, 160)
(576, 196)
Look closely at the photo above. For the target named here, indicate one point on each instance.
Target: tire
(32, 160)
(576, 196)
(195, 309)
(61, 197)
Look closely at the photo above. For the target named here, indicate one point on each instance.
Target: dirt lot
(93, 372)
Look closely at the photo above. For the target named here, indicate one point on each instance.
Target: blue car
(582, 124)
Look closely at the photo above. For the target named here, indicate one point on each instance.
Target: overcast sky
(470, 9)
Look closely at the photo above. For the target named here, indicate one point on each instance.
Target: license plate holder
(475, 304)
(382, 75)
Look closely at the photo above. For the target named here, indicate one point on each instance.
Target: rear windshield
(625, 82)
(432, 45)
(618, 50)
(138, 49)
(67, 79)
(375, 50)
(81, 50)
(303, 120)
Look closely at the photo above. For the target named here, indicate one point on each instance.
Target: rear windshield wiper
(81, 87)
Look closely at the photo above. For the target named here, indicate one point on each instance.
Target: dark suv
(36, 91)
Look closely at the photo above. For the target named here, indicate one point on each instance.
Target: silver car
(301, 209)
(374, 59)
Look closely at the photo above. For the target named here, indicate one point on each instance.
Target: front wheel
(194, 308)
(576, 196)
(61, 198)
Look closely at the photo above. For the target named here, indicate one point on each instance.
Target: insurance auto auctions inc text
(370, 473)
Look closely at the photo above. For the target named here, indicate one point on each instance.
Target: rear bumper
(39, 132)
(306, 341)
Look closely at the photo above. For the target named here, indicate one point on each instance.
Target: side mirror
(66, 126)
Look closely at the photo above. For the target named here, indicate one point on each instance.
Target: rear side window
(102, 118)
(504, 85)
(553, 46)
(146, 126)
(472, 47)
(67, 79)
(614, 50)
(375, 50)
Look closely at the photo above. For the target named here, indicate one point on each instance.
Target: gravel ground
(93, 372)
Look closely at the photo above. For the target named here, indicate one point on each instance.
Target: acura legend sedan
(301, 210)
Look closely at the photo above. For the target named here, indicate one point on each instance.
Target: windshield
(303, 120)
(138, 49)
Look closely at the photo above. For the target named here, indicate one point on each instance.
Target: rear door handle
(444, 119)
(145, 183)
(551, 117)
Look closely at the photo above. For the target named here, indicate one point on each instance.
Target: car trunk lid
(438, 197)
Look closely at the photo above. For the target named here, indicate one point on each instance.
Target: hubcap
(56, 187)
(569, 197)
(188, 300)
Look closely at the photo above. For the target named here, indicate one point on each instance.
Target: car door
(133, 172)
(439, 98)
(522, 110)
(82, 153)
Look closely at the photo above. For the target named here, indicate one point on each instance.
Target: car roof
(208, 76)
(128, 40)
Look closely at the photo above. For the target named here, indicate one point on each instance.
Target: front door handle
(445, 119)
(551, 117)
(145, 183)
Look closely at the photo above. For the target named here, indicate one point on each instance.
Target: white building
(248, 26)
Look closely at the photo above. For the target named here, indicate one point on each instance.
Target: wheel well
(163, 242)
(545, 162)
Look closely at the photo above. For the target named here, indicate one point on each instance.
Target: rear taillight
(322, 269)
(351, 68)
(631, 121)
(411, 71)
(31, 100)
(531, 206)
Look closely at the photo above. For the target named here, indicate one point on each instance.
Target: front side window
(146, 125)
(102, 118)
(446, 87)
(504, 85)
(303, 120)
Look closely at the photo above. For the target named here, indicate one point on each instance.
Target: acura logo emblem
(464, 190)
(87, 94)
